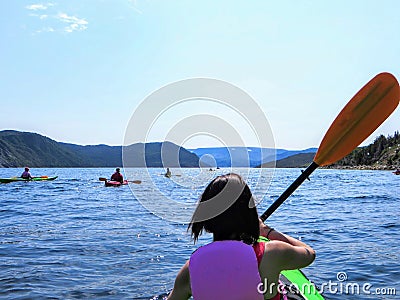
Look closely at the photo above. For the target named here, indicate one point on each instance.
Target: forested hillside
(383, 153)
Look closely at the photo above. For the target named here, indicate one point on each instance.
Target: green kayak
(40, 178)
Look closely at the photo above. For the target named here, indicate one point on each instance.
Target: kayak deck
(114, 183)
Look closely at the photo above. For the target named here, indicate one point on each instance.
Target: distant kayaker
(234, 265)
(26, 174)
(117, 176)
(168, 173)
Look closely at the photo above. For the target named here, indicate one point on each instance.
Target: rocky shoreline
(363, 167)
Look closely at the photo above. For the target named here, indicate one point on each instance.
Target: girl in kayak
(117, 176)
(235, 265)
(26, 174)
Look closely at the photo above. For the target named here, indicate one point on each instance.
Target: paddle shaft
(303, 176)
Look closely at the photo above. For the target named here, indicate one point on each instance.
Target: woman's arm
(283, 252)
(289, 253)
(181, 290)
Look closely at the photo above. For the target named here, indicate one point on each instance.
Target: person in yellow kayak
(117, 176)
(26, 174)
(235, 265)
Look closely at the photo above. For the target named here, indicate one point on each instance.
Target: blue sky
(76, 70)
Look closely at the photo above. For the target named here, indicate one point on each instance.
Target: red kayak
(115, 183)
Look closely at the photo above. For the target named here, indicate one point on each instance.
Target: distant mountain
(159, 155)
(244, 156)
(19, 149)
(295, 161)
(288, 153)
(97, 155)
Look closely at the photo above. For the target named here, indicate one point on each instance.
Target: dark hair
(232, 216)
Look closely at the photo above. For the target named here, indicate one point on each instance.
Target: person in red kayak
(117, 176)
(235, 265)
(26, 174)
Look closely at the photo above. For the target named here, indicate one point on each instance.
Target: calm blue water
(73, 238)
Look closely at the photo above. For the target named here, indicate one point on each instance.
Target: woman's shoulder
(284, 256)
(277, 248)
(274, 252)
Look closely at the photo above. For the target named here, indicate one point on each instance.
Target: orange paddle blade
(102, 179)
(359, 118)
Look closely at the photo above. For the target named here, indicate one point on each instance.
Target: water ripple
(75, 239)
